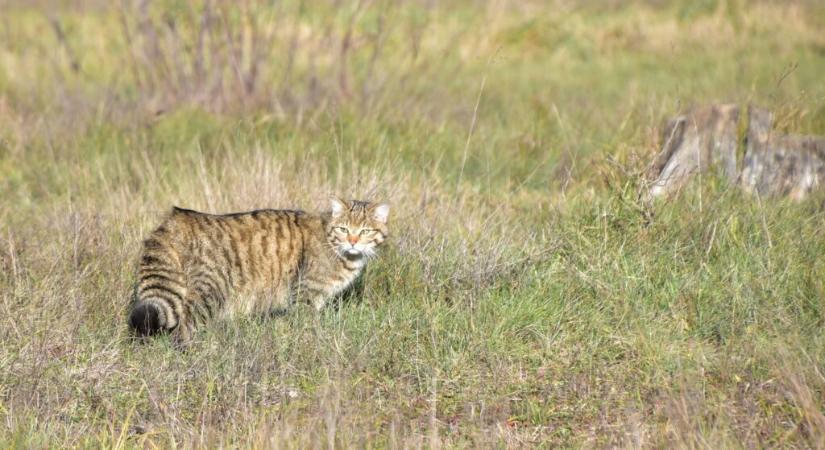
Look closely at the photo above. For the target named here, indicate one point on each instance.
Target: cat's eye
(344, 230)
(365, 231)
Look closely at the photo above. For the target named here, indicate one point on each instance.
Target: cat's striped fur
(197, 266)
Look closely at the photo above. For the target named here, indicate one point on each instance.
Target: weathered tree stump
(778, 165)
(707, 138)
(693, 143)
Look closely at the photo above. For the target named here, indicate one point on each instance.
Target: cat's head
(357, 228)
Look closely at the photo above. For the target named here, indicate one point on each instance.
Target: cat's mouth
(353, 253)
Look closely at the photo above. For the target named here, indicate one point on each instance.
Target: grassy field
(527, 298)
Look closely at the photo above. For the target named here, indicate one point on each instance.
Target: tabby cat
(196, 266)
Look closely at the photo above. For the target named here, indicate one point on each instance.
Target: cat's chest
(345, 279)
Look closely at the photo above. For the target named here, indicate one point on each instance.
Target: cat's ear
(337, 206)
(381, 212)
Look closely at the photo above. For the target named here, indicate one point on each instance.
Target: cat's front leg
(318, 299)
(313, 292)
(276, 301)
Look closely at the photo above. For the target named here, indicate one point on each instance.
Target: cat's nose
(352, 239)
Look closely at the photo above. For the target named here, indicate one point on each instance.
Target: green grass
(526, 297)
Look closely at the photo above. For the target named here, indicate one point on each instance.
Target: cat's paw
(319, 304)
(182, 338)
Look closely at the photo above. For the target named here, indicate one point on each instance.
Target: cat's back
(246, 220)
(279, 224)
(251, 247)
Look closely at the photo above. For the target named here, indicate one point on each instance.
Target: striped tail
(145, 319)
(160, 290)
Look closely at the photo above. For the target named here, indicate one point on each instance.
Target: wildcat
(196, 266)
